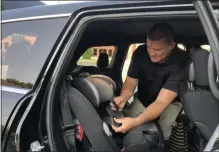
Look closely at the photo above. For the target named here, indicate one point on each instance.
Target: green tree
(87, 54)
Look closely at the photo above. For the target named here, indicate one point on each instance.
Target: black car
(51, 55)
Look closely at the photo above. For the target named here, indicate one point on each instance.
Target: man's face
(159, 51)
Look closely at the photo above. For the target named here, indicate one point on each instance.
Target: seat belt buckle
(74, 129)
(79, 132)
(69, 130)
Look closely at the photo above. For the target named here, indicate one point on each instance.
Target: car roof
(45, 10)
(68, 9)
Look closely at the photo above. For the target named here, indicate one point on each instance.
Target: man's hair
(160, 31)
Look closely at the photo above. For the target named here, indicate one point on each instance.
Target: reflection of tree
(16, 83)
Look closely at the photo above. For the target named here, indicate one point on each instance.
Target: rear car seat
(198, 101)
(99, 91)
(102, 64)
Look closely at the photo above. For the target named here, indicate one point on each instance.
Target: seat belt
(68, 122)
(73, 130)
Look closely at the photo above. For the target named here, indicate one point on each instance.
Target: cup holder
(151, 136)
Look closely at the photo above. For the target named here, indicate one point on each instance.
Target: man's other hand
(119, 101)
(127, 124)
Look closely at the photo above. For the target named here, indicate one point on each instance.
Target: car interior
(84, 98)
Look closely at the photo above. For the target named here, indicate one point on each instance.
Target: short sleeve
(176, 78)
(134, 66)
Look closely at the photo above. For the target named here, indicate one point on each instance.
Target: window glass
(181, 46)
(25, 47)
(206, 47)
(90, 56)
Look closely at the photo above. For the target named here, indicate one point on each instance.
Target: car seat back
(97, 131)
(198, 101)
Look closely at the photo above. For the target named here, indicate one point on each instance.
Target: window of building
(94, 52)
(110, 52)
(90, 59)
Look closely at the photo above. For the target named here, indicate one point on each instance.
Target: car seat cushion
(87, 89)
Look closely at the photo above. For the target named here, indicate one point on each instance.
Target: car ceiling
(135, 29)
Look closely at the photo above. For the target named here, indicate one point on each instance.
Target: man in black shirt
(158, 68)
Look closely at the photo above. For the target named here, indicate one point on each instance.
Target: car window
(206, 47)
(25, 47)
(90, 56)
(181, 46)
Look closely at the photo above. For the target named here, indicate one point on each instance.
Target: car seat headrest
(94, 89)
(103, 60)
(87, 88)
(104, 89)
(198, 68)
(106, 79)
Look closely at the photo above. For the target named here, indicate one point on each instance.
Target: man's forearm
(126, 94)
(152, 112)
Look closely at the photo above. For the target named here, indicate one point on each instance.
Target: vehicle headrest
(103, 60)
(94, 89)
(104, 89)
(87, 88)
(198, 69)
(104, 78)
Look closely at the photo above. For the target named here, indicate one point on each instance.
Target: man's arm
(153, 111)
(126, 93)
(128, 88)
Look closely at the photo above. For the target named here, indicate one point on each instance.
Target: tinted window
(25, 47)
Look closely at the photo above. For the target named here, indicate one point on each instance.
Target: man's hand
(119, 101)
(127, 124)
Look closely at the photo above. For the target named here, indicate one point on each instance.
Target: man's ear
(173, 44)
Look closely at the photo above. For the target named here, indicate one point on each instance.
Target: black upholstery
(199, 67)
(198, 101)
(95, 129)
(103, 61)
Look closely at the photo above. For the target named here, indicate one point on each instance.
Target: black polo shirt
(152, 77)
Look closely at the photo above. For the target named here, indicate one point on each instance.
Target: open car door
(211, 27)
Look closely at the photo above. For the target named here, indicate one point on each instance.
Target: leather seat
(198, 101)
